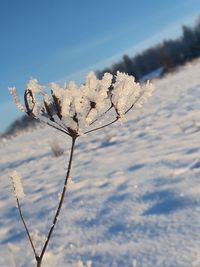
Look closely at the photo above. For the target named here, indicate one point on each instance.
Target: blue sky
(60, 40)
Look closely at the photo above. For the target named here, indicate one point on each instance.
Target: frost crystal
(146, 93)
(15, 98)
(78, 110)
(125, 93)
(17, 184)
(34, 86)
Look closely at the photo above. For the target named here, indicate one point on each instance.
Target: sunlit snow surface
(135, 200)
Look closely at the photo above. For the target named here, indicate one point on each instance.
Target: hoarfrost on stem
(13, 93)
(17, 184)
(76, 110)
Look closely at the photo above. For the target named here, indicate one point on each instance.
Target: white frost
(76, 108)
(126, 92)
(15, 98)
(34, 86)
(17, 184)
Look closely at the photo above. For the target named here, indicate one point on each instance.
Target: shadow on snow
(166, 202)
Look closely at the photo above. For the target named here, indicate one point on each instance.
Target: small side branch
(26, 228)
(103, 126)
(137, 99)
(102, 115)
(57, 128)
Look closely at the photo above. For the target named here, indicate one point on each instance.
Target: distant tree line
(19, 125)
(169, 54)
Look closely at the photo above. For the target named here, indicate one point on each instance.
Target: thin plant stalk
(60, 203)
(39, 258)
(26, 228)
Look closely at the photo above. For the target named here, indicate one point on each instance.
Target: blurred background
(63, 40)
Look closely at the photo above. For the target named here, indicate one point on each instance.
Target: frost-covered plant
(17, 184)
(79, 110)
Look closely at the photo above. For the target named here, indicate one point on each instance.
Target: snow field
(135, 197)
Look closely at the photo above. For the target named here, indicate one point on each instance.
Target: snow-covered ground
(135, 200)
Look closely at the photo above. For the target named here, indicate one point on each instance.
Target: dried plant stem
(39, 259)
(26, 228)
